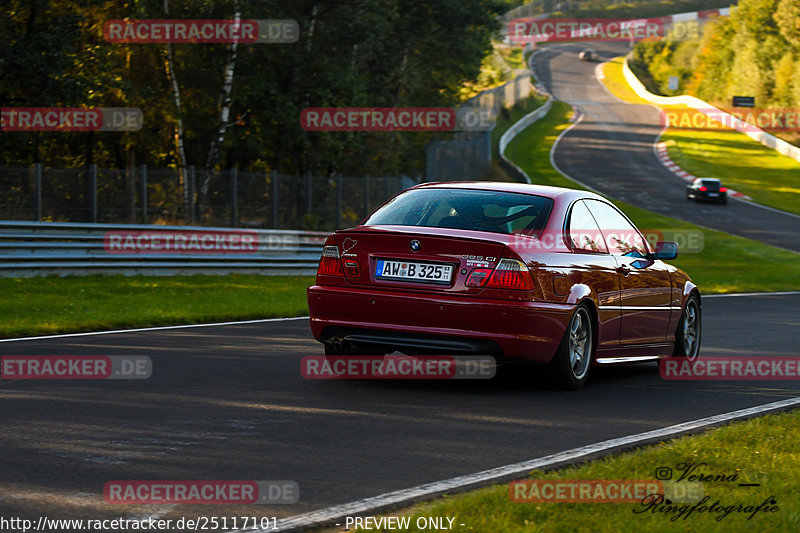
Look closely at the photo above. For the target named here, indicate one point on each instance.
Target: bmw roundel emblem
(415, 245)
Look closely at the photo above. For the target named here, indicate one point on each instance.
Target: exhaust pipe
(336, 345)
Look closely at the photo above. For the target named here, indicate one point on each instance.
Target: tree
(787, 17)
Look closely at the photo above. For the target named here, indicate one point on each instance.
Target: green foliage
(636, 8)
(754, 52)
(390, 53)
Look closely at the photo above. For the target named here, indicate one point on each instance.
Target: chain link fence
(220, 198)
(469, 155)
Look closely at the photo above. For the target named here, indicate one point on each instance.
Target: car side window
(583, 232)
(620, 236)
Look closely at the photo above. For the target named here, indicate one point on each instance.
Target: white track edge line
(784, 293)
(558, 140)
(155, 328)
(430, 490)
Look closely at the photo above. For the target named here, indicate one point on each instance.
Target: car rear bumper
(519, 330)
(705, 195)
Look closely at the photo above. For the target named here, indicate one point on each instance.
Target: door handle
(624, 270)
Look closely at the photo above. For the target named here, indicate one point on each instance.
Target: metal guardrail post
(37, 169)
(143, 177)
(234, 196)
(93, 191)
(274, 182)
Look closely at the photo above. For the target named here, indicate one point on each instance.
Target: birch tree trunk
(169, 68)
(224, 112)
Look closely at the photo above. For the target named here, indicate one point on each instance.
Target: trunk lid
(412, 258)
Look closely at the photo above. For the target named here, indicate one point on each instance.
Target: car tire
(723, 201)
(570, 366)
(688, 334)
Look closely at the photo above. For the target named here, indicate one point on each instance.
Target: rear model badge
(415, 245)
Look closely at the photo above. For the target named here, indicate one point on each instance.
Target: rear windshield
(492, 211)
(710, 183)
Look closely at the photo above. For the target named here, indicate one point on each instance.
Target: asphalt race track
(228, 402)
(611, 150)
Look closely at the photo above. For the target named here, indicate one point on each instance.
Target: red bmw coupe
(553, 276)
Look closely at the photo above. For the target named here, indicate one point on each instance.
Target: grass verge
(726, 264)
(766, 176)
(763, 450)
(40, 306)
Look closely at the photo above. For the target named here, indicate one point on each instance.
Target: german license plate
(413, 271)
(712, 194)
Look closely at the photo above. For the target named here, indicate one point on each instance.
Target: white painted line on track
(784, 293)
(155, 328)
(555, 145)
(405, 497)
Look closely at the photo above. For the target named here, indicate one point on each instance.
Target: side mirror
(665, 250)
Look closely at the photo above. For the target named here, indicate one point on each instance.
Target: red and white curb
(666, 160)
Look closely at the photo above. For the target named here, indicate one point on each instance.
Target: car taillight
(329, 264)
(703, 189)
(511, 274)
(478, 277)
(723, 189)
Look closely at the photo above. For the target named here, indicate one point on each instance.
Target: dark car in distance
(707, 189)
(546, 275)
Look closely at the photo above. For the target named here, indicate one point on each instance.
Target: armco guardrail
(515, 130)
(755, 133)
(49, 248)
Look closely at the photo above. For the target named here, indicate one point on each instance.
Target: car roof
(524, 188)
(708, 179)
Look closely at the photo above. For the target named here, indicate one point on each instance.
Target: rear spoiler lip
(429, 231)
